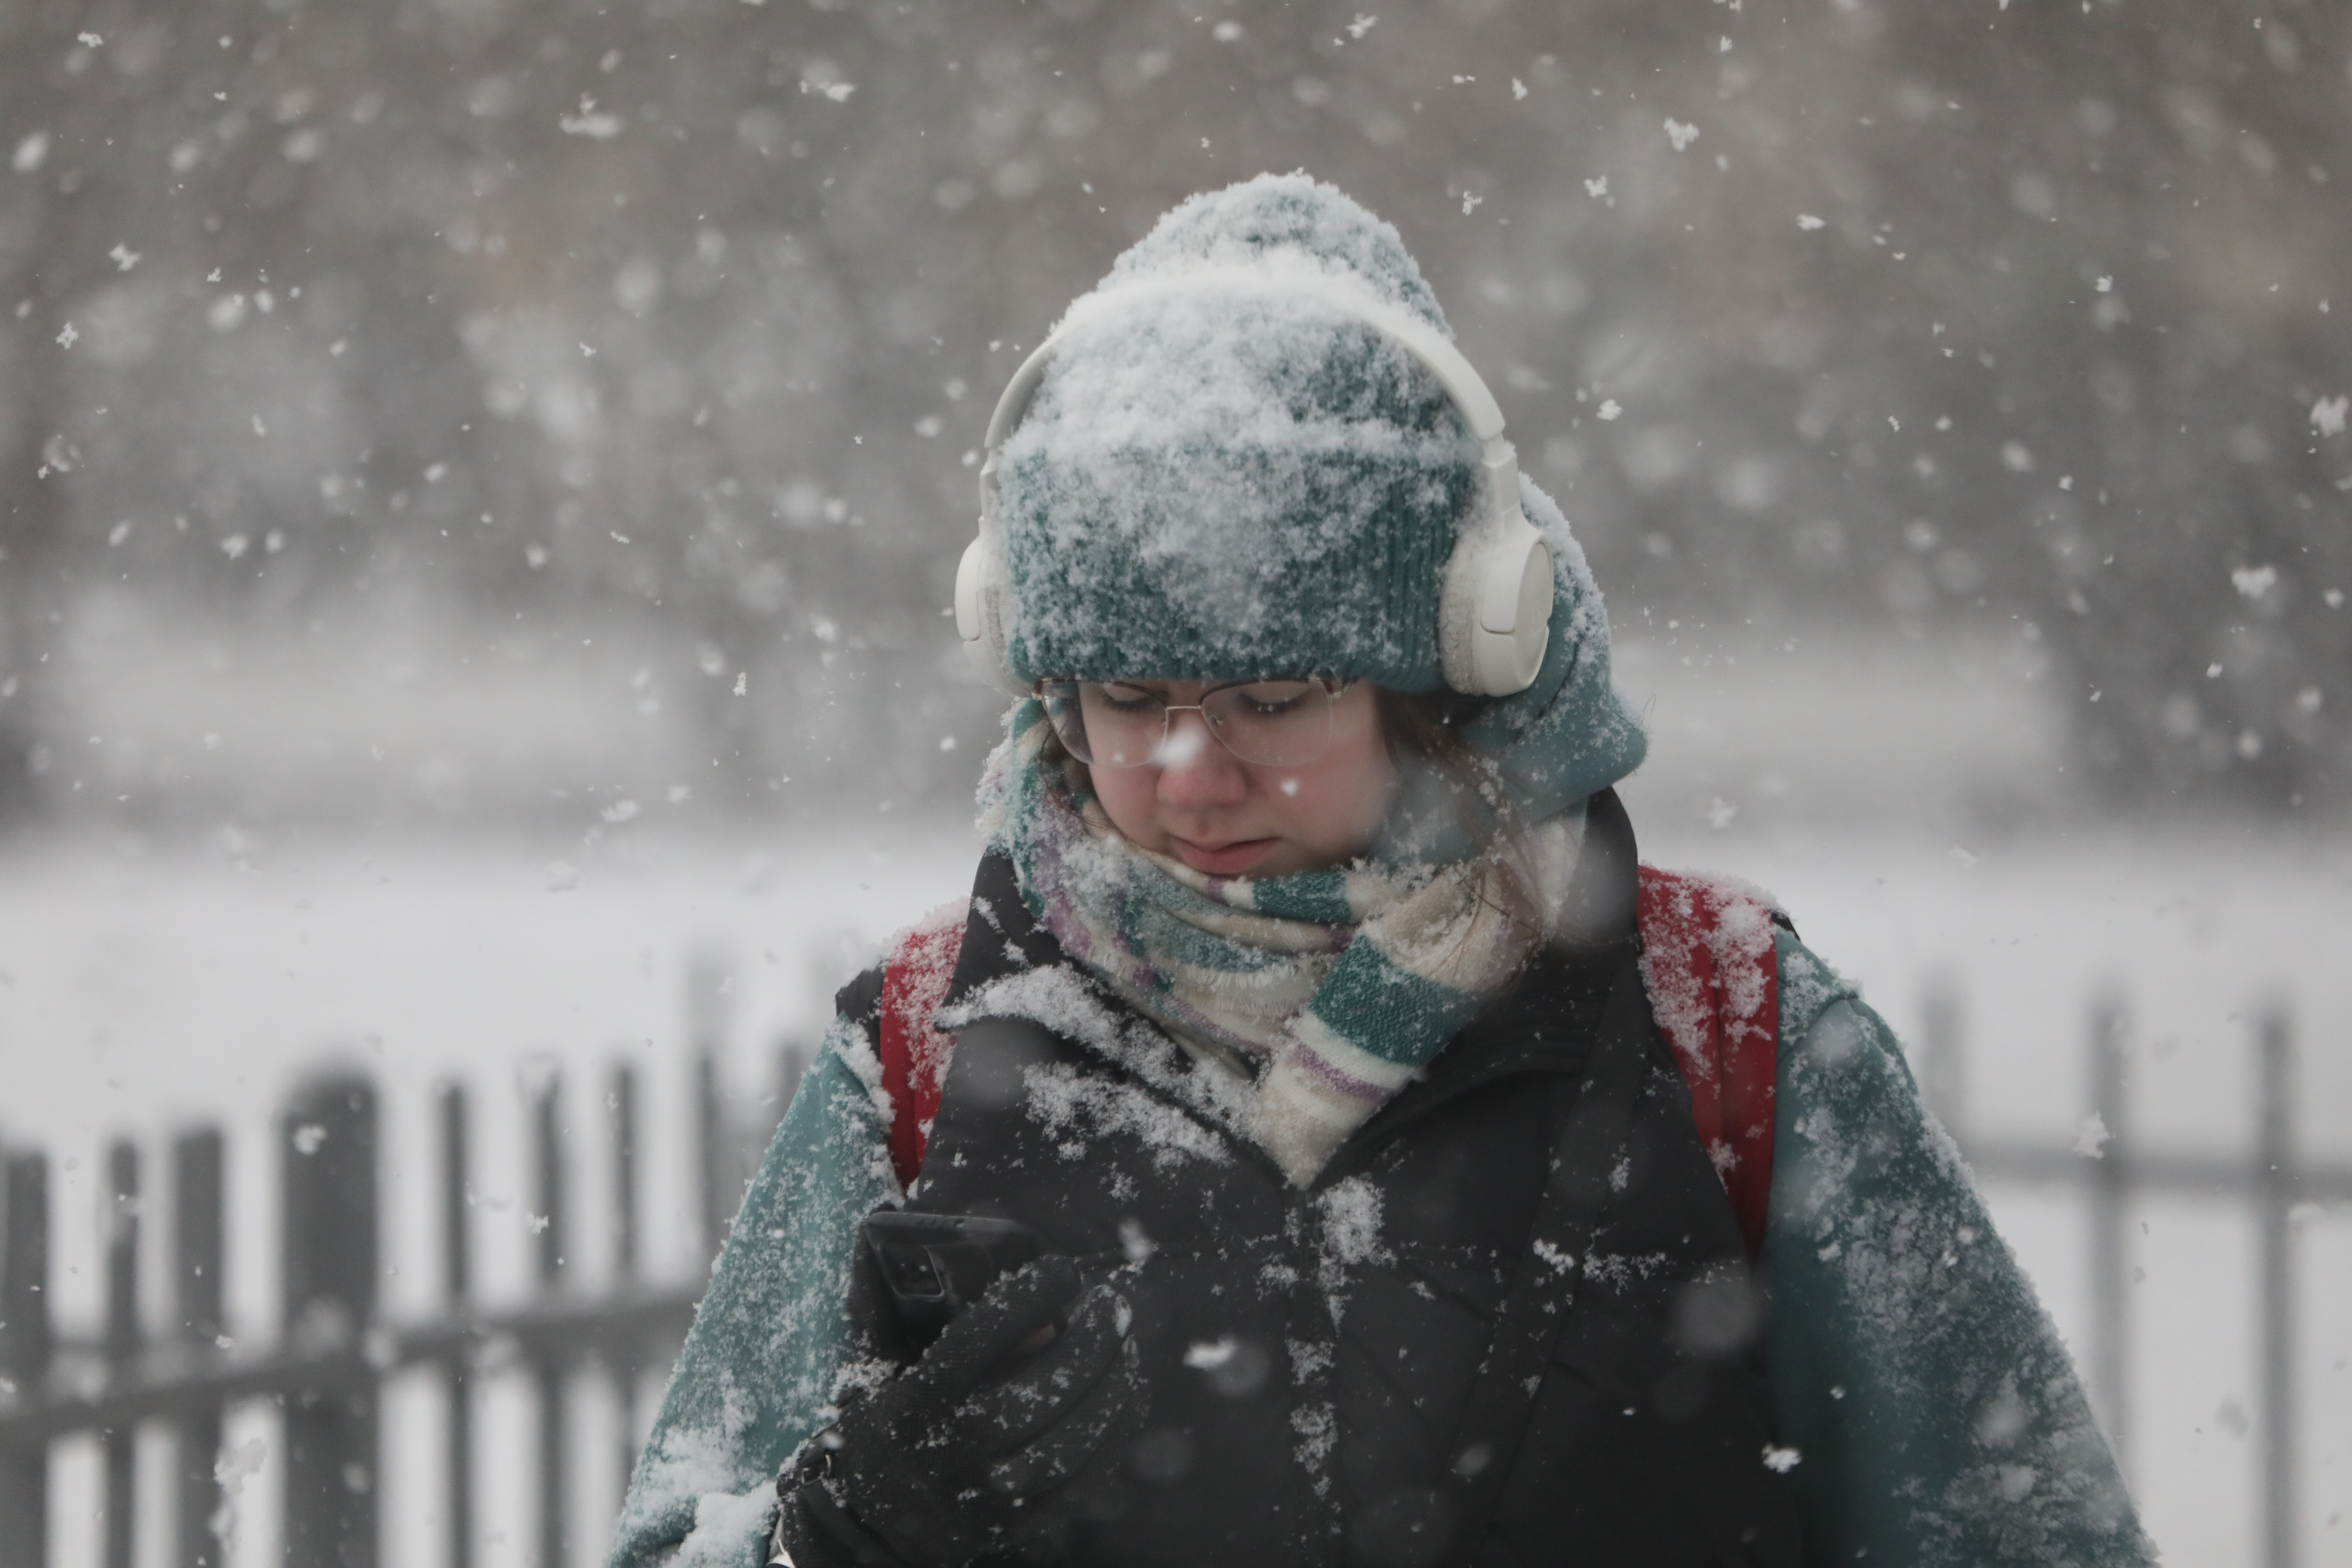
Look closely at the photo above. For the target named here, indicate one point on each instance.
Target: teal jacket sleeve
(770, 1337)
(1926, 1407)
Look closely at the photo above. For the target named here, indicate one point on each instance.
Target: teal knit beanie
(1233, 482)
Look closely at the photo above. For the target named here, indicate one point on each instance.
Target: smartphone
(933, 1266)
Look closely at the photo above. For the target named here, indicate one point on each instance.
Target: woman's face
(1205, 806)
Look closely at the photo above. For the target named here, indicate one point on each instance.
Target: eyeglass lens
(1115, 725)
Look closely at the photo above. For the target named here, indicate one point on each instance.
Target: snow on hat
(1243, 479)
(1237, 482)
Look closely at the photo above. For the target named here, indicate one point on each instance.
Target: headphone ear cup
(1495, 609)
(979, 599)
(972, 593)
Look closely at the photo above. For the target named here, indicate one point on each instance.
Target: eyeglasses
(1123, 724)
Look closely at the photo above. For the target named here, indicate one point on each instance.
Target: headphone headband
(1463, 384)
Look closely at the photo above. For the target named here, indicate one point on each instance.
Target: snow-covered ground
(145, 991)
(1908, 807)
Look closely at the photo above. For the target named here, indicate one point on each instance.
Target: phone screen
(933, 1266)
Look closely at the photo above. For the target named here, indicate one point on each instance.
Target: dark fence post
(706, 1033)
(710, 1151)
(792, 1058)
(457, 1283)
(622, 1354)
(1943, 1075)
(25, 1346)
(623, 1105)
(327, 1146)
(2276, 1188)
(197, 1256)
(120, 1445)
(2110, 1220)
(548, 1221)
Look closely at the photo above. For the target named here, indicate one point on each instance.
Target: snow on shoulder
(1733, 920)
(1065, 1003)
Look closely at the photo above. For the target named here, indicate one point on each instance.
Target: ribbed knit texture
(1234, 483)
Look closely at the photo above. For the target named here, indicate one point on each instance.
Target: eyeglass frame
(1332, 686)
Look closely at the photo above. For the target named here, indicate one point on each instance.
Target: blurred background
(481, 480)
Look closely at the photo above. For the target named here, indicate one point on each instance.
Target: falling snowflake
(1807, 221)
(2092, 1137)
(596, 127)
(2253, 582)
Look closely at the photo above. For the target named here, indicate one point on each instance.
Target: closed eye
(1272, 699)
(1123, 699)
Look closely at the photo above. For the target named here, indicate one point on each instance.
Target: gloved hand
(992, 1443)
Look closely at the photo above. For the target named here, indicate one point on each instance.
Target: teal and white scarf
(1331, 988)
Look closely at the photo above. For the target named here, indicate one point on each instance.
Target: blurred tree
(692, 313)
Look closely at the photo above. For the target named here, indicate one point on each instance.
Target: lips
(1232, 860)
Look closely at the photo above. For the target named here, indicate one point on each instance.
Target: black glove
(991, 1444)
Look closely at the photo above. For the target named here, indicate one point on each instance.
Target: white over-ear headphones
(1494, 605)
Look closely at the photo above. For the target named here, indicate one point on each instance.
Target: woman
(1300, 1019)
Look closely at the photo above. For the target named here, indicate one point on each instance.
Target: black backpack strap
(1587, 1149)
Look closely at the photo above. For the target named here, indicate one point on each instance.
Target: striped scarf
(1331, 989)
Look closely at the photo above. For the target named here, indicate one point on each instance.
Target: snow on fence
(328, 1374)
(2114, 1173)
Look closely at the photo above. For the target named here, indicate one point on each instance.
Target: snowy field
(143, 992)
(144, 987)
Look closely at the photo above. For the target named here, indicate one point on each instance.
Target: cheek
(1129, 798)
(1340, 805)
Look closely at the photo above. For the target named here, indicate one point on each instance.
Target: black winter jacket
(1310, 1353)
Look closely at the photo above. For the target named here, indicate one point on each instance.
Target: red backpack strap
(1713, 980)
(914, 1058)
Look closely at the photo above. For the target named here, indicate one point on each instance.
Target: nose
(1194, 768)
